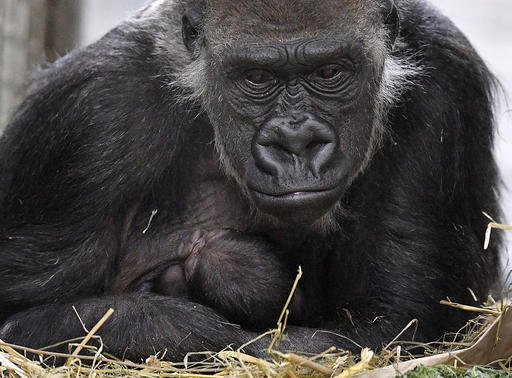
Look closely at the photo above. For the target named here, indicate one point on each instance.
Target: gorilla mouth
(296, 194)
(303, 206)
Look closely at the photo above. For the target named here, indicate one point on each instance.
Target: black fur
(110, 133)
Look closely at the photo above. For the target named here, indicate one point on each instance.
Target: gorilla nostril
(311, 145)
(315, 145)
(266, 157)
(266, 143)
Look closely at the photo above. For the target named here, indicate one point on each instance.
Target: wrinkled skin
(183, 167)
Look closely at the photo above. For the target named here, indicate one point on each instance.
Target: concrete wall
(31, 32)
(22, 27)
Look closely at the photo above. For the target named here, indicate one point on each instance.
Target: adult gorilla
(352, 138)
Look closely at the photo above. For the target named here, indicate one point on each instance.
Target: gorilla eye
(332, 78)
(259, 79)
(328, 72)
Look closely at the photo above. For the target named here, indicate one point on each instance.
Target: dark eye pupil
(328, 73)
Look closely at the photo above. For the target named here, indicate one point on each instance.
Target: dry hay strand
(493, 225)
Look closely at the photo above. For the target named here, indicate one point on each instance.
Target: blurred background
(34, 30)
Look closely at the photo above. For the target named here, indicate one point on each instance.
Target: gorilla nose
(293, 142)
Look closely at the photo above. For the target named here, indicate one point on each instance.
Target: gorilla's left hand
(233, 273)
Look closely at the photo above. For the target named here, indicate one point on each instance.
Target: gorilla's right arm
(144, 324)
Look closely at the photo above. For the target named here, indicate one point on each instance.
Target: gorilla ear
(391, 21)
(191, 28)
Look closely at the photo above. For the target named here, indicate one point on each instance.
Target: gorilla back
(181, 168)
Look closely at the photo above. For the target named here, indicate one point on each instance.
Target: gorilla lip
(293, 195)
(304, 206)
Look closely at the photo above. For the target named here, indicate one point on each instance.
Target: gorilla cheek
(233, 146)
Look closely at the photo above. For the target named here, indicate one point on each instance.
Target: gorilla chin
(302, 207)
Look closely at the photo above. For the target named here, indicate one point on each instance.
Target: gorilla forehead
(285, 19)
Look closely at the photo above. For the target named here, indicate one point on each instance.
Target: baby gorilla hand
(237, 274)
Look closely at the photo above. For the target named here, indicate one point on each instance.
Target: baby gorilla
(214, 269)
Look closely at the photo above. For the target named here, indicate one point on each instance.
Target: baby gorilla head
(178, 279)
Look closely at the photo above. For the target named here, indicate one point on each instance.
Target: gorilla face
(300, 130)
(294, 114)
